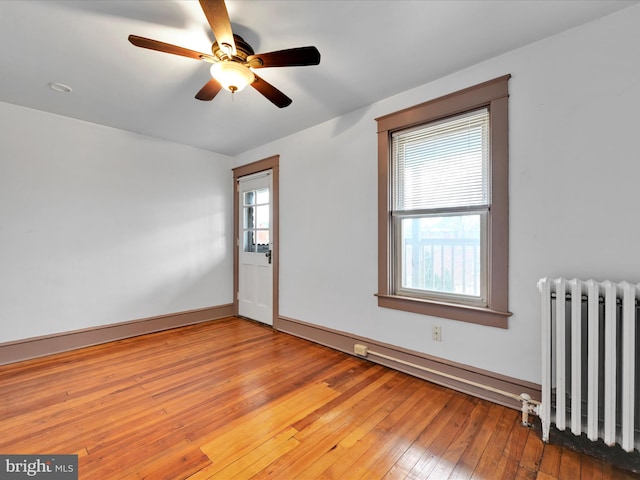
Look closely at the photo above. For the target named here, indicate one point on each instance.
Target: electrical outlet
(359, 349)
(436, 333)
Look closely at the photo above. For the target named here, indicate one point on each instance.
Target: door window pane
(249, 242)
(262, 196)
(262, 216)
(256, 221)
(262, 237)
(249, 218)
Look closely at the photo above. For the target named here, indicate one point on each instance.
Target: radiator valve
(529, 407)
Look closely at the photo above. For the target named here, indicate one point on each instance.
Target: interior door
(255, 247)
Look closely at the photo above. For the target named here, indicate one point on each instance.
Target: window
(443, 206)
(255, 230)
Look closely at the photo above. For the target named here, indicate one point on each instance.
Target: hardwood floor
(234, 399)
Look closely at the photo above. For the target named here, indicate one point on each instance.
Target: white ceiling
(371, 49)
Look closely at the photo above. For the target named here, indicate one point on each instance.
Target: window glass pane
(256, 241)
(249, 241)
(262, 216)
(249, 218)
(262, 237)
(441, 254)
(262, 196)
(256, 221)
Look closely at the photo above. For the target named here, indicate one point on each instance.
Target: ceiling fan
(233, 60)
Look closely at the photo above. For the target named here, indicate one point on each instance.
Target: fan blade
(168, 48)
(272, 94)
(218, 18)
(209, 91)
(292, 57)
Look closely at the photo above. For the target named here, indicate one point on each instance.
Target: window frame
(494, 95)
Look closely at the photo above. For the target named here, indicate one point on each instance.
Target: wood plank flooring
(233, 399)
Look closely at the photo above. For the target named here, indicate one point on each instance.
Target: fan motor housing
(243, 50)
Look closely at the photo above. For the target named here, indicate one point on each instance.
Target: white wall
(100, 226)
(574, 175)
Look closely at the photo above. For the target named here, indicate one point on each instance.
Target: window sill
(464, 313)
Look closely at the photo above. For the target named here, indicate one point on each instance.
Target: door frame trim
(270, 163)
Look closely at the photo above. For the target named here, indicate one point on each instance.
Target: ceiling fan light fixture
(233, 76)
(234, 59)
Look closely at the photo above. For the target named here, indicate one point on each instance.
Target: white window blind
(443, 164)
